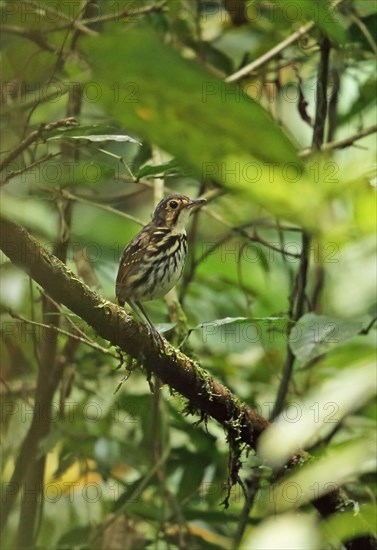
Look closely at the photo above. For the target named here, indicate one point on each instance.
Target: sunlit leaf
(83, 131)
(97, 137)
(325, 474)
(282, 533)
(352, 280)
(196, 96)
(320, 412)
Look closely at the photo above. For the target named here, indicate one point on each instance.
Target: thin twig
(333, 102)
(298, 292)
(298, 296)
(238, 229)
(364, 29)
(35, 136)
(251, 489)
(276, 50)
(66, 194)
(16, 173)
(369, 327)
(254, 238)
(342, 143)
(76, 23)
(83, 24)
(45, 95)
(76, 328)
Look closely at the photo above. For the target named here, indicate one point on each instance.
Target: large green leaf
(209, 125)
(160, 169)
(214, 128)
(173, 102)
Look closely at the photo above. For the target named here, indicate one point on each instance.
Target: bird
(153, 262)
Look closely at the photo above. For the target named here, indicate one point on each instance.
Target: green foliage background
(124, 465)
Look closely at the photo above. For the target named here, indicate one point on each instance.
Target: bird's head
(174, 211)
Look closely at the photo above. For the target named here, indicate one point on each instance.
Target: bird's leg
(142, 315)
(146, 318)
(154, 332)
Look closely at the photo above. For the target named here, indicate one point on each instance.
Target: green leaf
(240, 320)
(318, 334)
(225, 321)
(130, 493)
(79, 133)
(150, 170)
(192, 477)
(65, 463)
(350, 524)
(165, 327)
(47, 444)
(103, 137)
(76, 538)
(240, 333)
(359, 35)
(214, 128)
(182, 118)
(365, 7)
(82, 131)
(364, 101)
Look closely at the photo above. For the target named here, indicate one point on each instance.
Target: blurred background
(277, 300)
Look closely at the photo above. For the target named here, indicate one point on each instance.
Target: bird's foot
(155, 335)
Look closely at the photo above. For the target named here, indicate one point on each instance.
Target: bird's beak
(195, 203)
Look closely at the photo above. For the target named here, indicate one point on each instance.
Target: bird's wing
(133, 253)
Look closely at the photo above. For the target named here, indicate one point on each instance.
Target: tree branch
(35, 136)
(113, 324)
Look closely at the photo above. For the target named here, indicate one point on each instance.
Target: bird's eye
(173, 204)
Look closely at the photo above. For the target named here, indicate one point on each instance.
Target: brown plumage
(153, 262)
